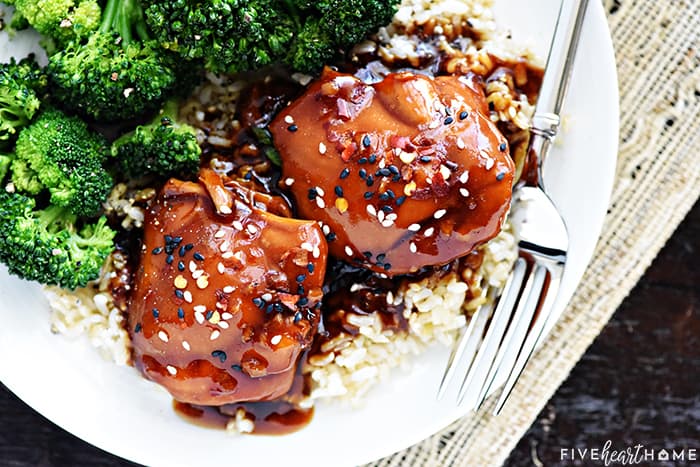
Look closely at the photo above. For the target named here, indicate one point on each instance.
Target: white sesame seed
(220, 267)
(316, 253)
(225, 246)
(214, 335)
(320, 203)
(434, 124)
(371, 210)
(307, 246)
(220, 233)
(237, 225)
(171, 369)
(227, 255)
(229, 289)
(193, 266)
(188, 296)
(226, 315)
(429, 231)
(414, 227)
(199, 317)
(348, 250)
(223, 324)
(445, 172)
(387, 223)
(252, 229)
(460, 143)
(320, 191)
(380, 216)
(220, 306)
(162, 335)
(289, 119)
(382, 164)
(186, 346)
(197, 274)
(289, 181)
(392, 217)
(464, 192)
(464, 177)
(407, 157)
(225, 209)
(321, 148)
(355, 287)
(200, 309)
(412, 246)
(326, 229)
(276, 339)
(390, 298)
(266, 296)
(439, 213)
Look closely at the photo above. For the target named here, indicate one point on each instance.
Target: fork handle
(545, 122)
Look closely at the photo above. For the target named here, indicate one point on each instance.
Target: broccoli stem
(124, 17)
(55, 218)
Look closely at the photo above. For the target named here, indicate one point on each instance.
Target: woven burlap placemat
(658, 181)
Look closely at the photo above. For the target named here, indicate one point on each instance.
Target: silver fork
(498, 344)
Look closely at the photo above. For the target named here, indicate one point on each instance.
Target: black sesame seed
(400, 200)
(451, 165)
(157, 251)
(248, 175)
(270, 308)
(182, 251)
(387, 208)
(169, 248)
(137, 328)
(372, 158)
(463, 115)
(177, 240)
(391, 194)
(236, 367)
(311, 268)
(396, 178)
(339, 191)
(502, 147)
(257, 301)
(381, 256)
(220, 354)
(387, 266)
(344, 173)
(370, 180)
(366, 141)
(292, 128)
(180, 266)
(500, 176)
(384, 196)
(363, 174)
(170, 259)
(369, 194)
(362, 160)
(277, 307)
(368, 254)
(303, 301)
(331, 237)
(301, 278)
(449, 120)
(383, 172)
(312, 194)
(209, 314)
(393, 169)
(297, 317)
(155, 312)
(425, 158)
(492, 106)
(198, 256)
(189, 246)
(168, 239)
(181, 313)
(179, 294)
(301, 290)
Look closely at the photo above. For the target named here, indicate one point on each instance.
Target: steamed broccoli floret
(61, 20)
(5, 161)
(21, 84)
(46, 245)
(60, 154)
(163, 147)
(119, 73)
(240, 35)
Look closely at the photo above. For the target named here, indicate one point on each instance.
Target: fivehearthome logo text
(629, 455)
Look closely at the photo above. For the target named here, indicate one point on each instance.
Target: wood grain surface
(639, 382)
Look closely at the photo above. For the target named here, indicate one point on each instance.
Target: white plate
(116, 410)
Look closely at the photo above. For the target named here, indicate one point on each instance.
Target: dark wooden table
(638, 384)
